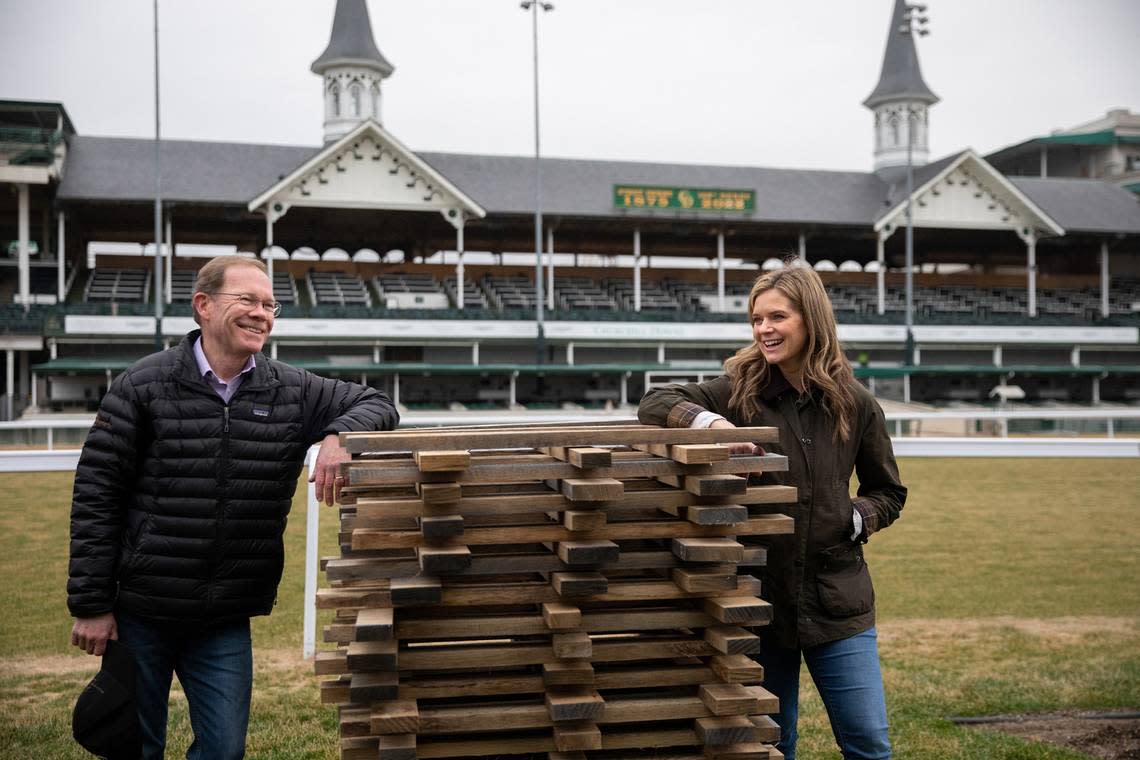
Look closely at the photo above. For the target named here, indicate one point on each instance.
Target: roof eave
(385, 69)
(875, 100)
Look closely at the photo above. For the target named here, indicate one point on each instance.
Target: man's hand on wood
(91, 634)
(325, 473)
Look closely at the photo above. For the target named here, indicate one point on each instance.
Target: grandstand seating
(473, 295)
(182, 285)
(284, 288)
(399, 290)
(582, 293)
(337, 289)
(695, 299)
(654, 297)
(510, 291)
(117, 286)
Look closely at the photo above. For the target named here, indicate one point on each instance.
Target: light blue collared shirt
(220, 386)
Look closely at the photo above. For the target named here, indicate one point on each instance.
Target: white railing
(1002, 418)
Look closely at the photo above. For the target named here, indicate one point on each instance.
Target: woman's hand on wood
(738, 449)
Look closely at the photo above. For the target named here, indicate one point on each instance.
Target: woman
(794, 376)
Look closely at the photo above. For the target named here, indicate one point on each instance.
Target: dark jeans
(850, 683)
(215, 667)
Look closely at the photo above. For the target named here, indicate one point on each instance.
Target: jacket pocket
(844, 582)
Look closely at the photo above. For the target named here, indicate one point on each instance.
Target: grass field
(1008, 586)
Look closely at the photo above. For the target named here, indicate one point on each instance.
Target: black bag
(105, 721)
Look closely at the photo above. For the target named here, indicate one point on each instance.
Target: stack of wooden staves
(566, 592)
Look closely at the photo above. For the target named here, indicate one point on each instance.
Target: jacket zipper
(223, 459)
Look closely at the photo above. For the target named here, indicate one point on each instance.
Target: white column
(802, 248)
(10, 380)
(1075, 356)
(460, 283)
(1031, 270)
(906, 388)
(269, 246)
(881, 275)
(570, 352)
(169, 257)
(376, 353)
(550, 268)
(661, 353)
(1096, 389)
(637, 269)
(25, 287)
(997, 356)
(1044, 161)
(475, 353)
(60, 247)
(396, 389)
(720, 270)
(917, 355)
(625, 388)
(511, 400)
(273, 350)
(1104, 308)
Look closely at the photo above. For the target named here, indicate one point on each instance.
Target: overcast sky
(745, 82)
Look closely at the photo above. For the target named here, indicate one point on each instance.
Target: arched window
(375, 92)
(896, 138)
(334, 98)
(356, 92)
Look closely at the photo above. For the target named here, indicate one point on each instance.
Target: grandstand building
(415, 271)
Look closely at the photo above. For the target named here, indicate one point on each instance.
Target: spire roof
(901, 77)
(351, 42)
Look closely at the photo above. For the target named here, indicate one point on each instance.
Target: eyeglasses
(249, 302)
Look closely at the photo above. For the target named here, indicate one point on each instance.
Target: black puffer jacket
(180, 499)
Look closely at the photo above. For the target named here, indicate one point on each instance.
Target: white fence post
(312, 541)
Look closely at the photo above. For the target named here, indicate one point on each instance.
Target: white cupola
(352, 68)
(900, 93)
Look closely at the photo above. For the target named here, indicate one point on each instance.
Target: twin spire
(900, 101)
(352, 68)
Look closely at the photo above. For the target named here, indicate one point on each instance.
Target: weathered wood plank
(363, 569)
(759, 525)
(374, 624)
(442, 461)
(547, 501)
(425, 440)
(367, 474)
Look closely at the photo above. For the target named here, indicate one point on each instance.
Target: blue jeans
(847, 675)
(215, 667)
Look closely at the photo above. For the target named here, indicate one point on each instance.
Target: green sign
(683, 198)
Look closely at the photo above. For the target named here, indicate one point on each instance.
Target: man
(181, 498)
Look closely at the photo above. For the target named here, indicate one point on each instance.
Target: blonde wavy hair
(824, 365)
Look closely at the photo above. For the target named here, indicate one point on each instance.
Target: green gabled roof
(1104, 137)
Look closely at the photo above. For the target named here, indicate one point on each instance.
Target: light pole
(158, 297)
(914, 20)
(540, 347)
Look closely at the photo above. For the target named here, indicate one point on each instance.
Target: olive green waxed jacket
(816, 579)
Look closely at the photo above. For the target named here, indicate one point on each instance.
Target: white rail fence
(907, 426)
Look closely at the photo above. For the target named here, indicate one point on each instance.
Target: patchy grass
(1008, 586)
